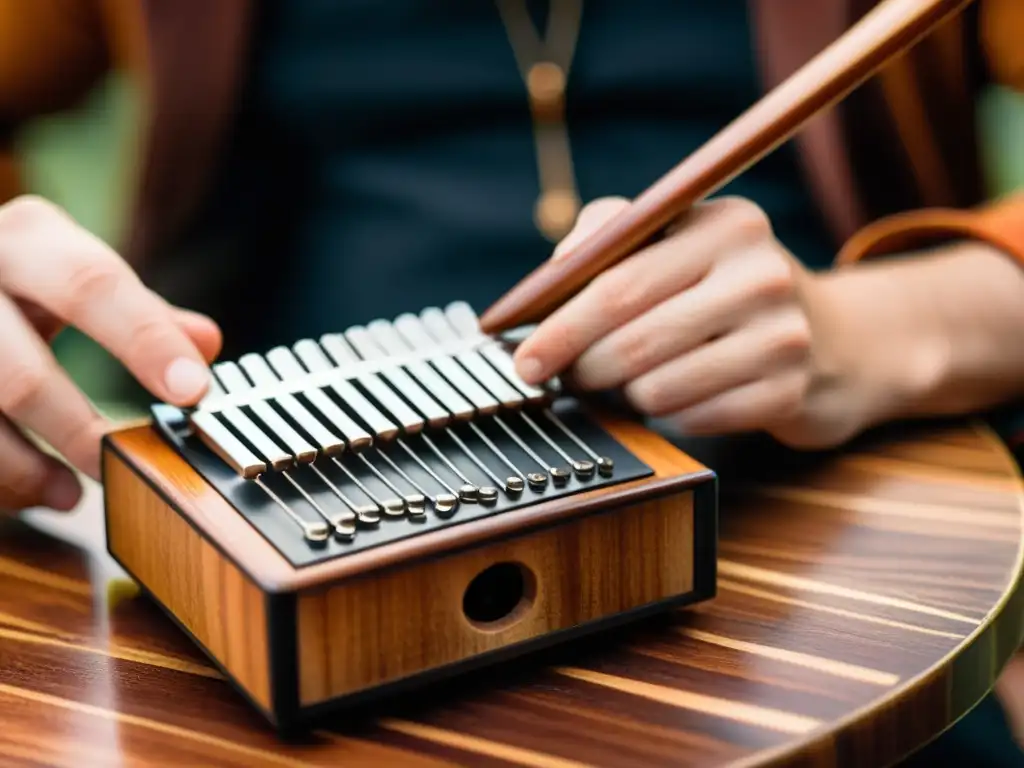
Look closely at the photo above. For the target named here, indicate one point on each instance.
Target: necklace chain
(544, 63)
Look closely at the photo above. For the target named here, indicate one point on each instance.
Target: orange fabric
(1000, 223)
(1001, 25)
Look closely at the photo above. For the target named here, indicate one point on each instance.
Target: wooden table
(867, 600)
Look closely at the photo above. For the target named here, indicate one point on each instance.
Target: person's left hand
(711, 327)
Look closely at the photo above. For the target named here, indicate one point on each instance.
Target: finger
(710, 232)
(735, 289)
(47, 259)
(37, 394)
(30, 478)
(752, 406)
(203, 331)
(611, 300)
(750, 353)
(678, 325)
(591, 217)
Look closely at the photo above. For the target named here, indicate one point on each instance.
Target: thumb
(591, 218)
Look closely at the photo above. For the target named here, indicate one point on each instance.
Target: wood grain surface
(867, 600)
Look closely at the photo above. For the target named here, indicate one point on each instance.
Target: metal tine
(344, 524)
(583, 468)
(315, 532)
(451, 500)
(437, 325)
(278, 458)
(367, 514)
(487, 493)
(219, 439)
(466, 325)
(443, 502)
(234, 381)
(214, 392)
(468, 491)
(413, 501)
(412, 330)
(315, 359)
(283, 361)
(535, 479)
(391, 342)
(421, 400)
(261, 374)
(514, 483)
(338, 348)
(368, 349)
(605, 465)
(393, 508)
(387, 338)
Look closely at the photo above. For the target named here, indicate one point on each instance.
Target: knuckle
(90, 280)
(636, 353)
(620, 296)
(150, 336)
(794, 336)
(745, 217)
(775, 279)
(647, 395)
(21, 388)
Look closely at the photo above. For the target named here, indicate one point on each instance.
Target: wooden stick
(887, 31)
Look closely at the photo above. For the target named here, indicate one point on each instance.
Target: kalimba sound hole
(499, 596)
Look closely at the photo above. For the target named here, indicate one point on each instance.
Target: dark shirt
(384, 157)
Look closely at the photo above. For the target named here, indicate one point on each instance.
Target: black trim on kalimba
(264, 514)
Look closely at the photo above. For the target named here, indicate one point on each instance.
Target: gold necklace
(544, 64)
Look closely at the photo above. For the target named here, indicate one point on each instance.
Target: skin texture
(716, 327)
(719, 329)
(53, 273)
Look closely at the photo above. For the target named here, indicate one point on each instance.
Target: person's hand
(54, 274)
(715, 327)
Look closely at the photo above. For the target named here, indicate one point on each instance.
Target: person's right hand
(53, 274)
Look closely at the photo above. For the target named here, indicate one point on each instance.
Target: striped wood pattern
(866, 601)
(213, 599)
(365, 632)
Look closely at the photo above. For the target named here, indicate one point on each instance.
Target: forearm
(935, 333)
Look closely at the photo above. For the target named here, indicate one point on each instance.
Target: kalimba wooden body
(329, 565)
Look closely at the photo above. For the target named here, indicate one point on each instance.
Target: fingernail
(529, 370)
(63, 492)
(186, 379)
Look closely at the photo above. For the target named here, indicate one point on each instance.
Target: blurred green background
(82, 161)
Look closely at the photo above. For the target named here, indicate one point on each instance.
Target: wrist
(932, 334)
(879, 351)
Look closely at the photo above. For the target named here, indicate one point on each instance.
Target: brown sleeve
(1000, 223)
(51, 53)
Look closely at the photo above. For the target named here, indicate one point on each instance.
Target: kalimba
(390, 505)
